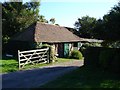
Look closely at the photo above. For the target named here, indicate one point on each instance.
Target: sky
(66, 12)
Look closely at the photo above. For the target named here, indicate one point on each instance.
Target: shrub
(52, 53)
(75, 54)
(45, 46)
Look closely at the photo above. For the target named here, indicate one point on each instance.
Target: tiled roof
(41, 32)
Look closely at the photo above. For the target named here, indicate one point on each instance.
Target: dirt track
(37, 77)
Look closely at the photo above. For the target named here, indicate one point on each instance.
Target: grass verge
(11, 65)
(86, 77)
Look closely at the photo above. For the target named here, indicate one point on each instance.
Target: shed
(59, 37)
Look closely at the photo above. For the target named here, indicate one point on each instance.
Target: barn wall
(13, 46)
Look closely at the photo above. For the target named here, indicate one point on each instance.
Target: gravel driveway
(37, 77)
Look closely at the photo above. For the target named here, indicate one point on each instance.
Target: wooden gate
(33, 57)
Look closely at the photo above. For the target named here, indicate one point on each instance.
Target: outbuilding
(60, 38)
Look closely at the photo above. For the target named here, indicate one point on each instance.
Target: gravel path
(37, 77)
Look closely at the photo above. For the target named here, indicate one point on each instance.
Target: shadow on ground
(86, 77)
(35, 77)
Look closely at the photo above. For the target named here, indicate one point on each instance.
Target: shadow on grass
(86, 77)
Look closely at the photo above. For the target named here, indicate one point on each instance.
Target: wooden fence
(33, 57)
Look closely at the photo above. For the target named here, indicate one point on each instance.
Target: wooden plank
(34, 50)
(21, 60)
(25, 55)
(32, 56)
(43, 59)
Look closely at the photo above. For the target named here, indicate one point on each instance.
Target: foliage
(112, 23)
(87, 45)
(17, 16)
(85, 26)
(75, 54)
(91, 44)
(52, 20)
(99, 29)
(37, 45)
(111, 44)
(109, 25)
(52, 53)
(106, 28)
(45, 46)
(41, 18)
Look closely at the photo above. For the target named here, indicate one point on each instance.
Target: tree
(99, 29)
(112, 23)
(85, 26)
(17, 16)
(42, 19)
(52, 20)
(112, 27)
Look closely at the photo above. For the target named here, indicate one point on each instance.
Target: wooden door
(66, 49)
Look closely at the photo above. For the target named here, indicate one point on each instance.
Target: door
(61, 50)
(66, 49)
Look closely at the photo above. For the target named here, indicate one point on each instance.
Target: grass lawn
(11, 65)
(86, 77)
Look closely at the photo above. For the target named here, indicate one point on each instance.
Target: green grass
(11, 65)
(85, 77)
(8, 65)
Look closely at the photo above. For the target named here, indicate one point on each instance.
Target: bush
(45, 46)
(52, 53)
(75, 54)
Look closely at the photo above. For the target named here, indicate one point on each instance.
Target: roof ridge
(44, 32)
(48, 24)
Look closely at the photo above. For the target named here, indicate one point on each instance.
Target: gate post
(19, 58)
(48, 55)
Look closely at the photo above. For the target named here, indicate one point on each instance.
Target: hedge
(106, 58)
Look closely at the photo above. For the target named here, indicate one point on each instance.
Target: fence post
(19, 58)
